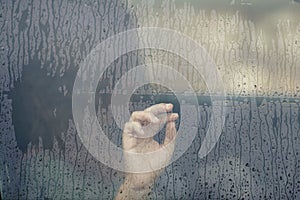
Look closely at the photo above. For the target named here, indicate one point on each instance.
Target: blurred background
(254, 44)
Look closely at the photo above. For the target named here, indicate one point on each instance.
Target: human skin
(139, 185)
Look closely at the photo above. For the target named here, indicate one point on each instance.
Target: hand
(138, 138)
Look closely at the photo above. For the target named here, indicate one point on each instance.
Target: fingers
(133, 129)
(142, 117)
(168, 118)
(137, 135)
(148, 115)
(170, 133)
(144, 124)
(172, 117)
(160, 108)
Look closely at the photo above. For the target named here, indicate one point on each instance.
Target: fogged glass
(255, 47)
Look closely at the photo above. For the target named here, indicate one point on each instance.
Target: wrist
(137, 182)
(128, 192)
(134, 188)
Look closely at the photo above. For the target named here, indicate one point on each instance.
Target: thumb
(170, 133)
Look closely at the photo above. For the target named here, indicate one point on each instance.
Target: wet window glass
(150, 99)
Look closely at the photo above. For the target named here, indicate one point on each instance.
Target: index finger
(160, 108)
